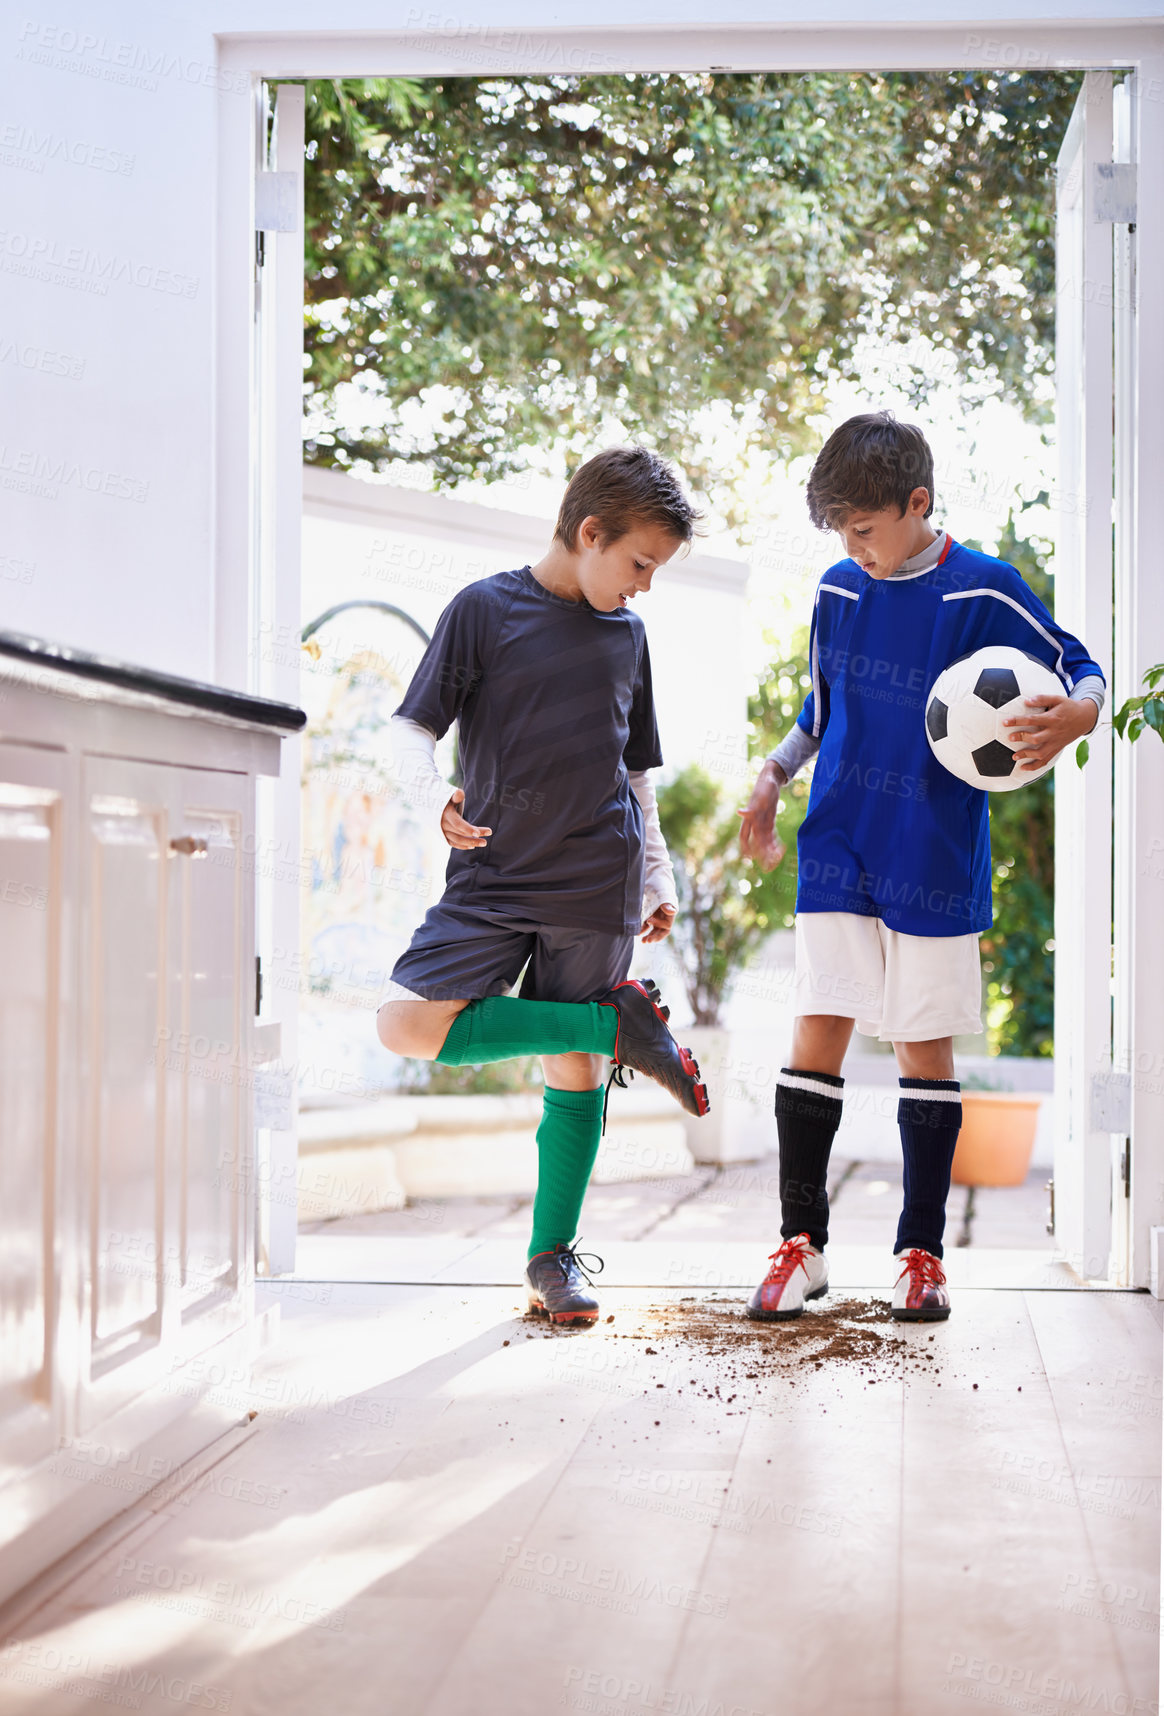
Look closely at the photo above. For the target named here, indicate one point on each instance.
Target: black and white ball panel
(967, 706)
(996, 686)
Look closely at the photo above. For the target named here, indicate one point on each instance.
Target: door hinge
(1126, 1167)
(1114, 192)
(258, 985)
(1050, 1191)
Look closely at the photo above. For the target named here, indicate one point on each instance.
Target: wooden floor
(440, 1508)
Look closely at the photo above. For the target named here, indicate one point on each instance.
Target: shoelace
(616, 1077)
(618, 1068)
(923, 1269)
(784, 1261)
(570, 1257)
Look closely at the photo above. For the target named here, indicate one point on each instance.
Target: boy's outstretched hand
(459, 833)
(1052, 723)
(758, 838)
(658, 926)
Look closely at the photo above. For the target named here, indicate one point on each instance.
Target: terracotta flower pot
(997, 1137)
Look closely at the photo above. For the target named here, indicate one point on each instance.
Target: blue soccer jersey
(889, 832)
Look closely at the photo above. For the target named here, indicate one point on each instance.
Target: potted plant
(998, 1134)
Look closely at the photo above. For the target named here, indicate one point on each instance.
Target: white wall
(107, 287)
(109, 243)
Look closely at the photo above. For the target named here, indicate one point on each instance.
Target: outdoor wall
(108, 242)
(369, 542)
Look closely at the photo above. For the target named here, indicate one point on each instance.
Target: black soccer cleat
(644, 1044)
(556, 1283)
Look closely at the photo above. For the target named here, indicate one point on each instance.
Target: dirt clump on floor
(856, 1334)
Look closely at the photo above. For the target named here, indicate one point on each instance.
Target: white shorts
(900, 988)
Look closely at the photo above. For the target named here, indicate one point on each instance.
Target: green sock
(504, 1028)
(567, 1145)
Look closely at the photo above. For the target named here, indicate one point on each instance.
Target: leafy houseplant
(1147, 711)
(1136, 713)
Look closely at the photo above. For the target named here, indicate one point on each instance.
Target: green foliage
(728, 906)
(1137, 713)
(497, 1078)
(1018, 956)
(542, 257)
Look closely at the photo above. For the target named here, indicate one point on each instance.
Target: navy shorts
(462, 955)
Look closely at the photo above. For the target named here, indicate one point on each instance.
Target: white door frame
(469, 49)
(1084, 1190)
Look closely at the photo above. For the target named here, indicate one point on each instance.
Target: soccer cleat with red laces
(799, 1272)
(644, 1044)
(921, 1294)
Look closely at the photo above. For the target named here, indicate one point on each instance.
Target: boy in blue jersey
(557, 858)
(894, 852)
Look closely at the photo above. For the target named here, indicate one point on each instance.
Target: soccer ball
(966, 709)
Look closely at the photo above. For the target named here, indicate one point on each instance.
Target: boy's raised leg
(626, 1025)
(498, 1028)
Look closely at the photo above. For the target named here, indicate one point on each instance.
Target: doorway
(1096, 1165)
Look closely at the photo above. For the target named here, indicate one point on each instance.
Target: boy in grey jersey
(557, 861)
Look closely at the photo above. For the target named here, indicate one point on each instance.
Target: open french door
(275, 623)
(1094, 343)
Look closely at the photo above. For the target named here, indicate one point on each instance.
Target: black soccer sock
(929, 1114)
(808, 1112)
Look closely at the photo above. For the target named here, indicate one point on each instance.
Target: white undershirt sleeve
(797, 746)
(1092, 688)
(658, 877)
(794, 750)
(414, 758)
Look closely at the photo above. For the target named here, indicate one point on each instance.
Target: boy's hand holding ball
(758, 838)
(1052, 724)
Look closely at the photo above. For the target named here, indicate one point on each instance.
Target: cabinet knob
(190, 845)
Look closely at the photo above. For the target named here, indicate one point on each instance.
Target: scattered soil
(855, 1334)
(708, 1348)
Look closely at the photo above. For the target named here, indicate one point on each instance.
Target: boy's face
(880, 541)
(609, 577)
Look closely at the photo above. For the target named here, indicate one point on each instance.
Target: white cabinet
(33, 788)
(167, 968)
(127, 998)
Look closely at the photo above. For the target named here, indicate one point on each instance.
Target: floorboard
(447, 1509)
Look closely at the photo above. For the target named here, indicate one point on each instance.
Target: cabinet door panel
(30, 905)
(127, 855)
(209, 982)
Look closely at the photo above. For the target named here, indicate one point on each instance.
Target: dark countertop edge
(189, 693)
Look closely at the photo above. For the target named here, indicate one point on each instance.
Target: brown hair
(868, 465)
(623, 487)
